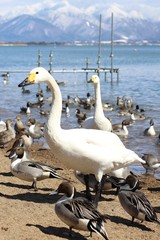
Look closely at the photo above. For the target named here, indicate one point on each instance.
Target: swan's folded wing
(98, 137)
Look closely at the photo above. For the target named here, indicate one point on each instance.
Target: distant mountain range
(66, 23)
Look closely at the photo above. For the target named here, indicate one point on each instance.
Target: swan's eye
(37, 72)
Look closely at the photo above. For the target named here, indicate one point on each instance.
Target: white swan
(86, 150)
(98, 121)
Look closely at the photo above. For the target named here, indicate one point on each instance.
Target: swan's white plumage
(86, 150)
(98, 121)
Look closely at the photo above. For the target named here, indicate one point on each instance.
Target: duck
(79, 113)
(36, 129)
(116, 126)
(84, 102)
(77, 212)
(19, 125)
(40, 96)
(61, 83)
(31, 171)
(138, 109)
(5, 78)
(158, 140)
(125, 103)
(7, 135)
(135, 117)
(81, 120)
(87, 103)
(89, 98)
(66, 109)
(48, 89)
(24, 141)
(108, 181)
(120, 102)
(107, 107)
(27, 109)
(150, 131)
(87, 150)
(98, 121)
(152, 163)
(126, 113)
(123, 131)
(68, 100)
(132, 116)
(38, 104)
(2, 125)
(25, 91)
(134, 201)
(81, 116)
(44, 112)
(120, 173)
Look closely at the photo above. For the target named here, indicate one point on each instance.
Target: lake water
(139, 78)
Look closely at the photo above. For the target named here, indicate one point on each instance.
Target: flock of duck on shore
(94, 150)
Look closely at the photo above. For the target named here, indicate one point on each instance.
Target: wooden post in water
(87, 64)
(118, 75)
(111, 54)
(39, 58)
(99, 45)
(105, 76)
(51, 61)
(39, 63)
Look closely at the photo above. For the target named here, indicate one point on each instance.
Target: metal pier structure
(5, 74)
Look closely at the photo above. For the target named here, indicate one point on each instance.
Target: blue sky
(147, 7)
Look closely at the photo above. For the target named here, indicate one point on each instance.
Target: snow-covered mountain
(63, 22)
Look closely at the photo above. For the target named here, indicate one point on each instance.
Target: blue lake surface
(139, 78)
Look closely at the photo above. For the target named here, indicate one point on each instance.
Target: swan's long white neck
(98, 107)
(54, 120)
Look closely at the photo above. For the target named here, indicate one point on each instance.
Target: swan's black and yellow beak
(91, 80)
(28, 81)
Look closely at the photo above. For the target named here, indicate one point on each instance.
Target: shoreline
(27, 215)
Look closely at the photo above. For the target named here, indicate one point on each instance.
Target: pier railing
(5, 73)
